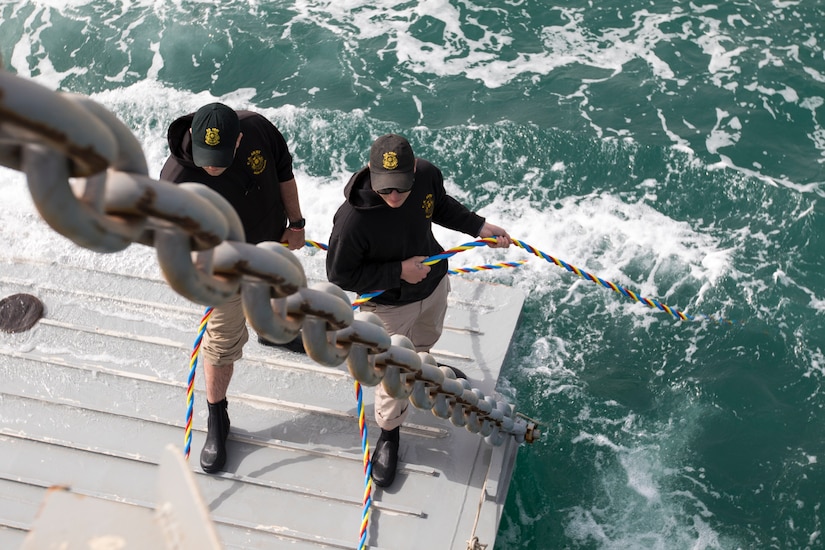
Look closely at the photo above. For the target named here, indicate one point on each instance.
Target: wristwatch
(297, 225)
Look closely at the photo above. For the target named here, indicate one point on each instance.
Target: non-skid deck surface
(92, 395)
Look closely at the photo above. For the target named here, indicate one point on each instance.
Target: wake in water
(673, 149)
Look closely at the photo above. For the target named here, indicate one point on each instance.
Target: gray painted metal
(92, 395)
(179, 520)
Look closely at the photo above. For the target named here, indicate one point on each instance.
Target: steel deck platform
(96, 391)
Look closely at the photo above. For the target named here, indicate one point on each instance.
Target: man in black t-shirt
(244, 157)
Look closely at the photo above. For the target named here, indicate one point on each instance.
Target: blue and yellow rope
(485, 267)
(190, 386)
(365, 448)
(656, 304)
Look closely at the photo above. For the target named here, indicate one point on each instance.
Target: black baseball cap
(392, 163)
(215, 130)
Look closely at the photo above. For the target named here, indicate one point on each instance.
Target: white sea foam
(635, 477)
(599, 233)
(631, 241)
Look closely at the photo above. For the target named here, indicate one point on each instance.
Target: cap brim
(391, 180)
(219, 158)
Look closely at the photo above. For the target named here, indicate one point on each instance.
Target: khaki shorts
(225, 335)
(422, 322)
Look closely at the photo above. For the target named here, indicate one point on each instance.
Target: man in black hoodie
(380, 236)
(244, 157)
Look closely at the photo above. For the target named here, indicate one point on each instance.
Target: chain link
(111, 202)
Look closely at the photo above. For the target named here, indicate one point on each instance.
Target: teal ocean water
(674, 148)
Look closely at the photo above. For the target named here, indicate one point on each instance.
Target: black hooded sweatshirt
(370, 239)
(251, 184)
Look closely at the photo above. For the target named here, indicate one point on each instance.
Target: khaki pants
(225, 335)
(421, 322)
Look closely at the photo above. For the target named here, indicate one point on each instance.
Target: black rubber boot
(213, 455)
(458, 373)
(385, 457)
(296, 344)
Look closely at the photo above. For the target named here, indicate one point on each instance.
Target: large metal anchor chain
(88, 178)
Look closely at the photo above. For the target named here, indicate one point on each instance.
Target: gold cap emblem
(390, 160)
(212, 137)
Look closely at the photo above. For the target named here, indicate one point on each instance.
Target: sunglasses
(391, 189)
